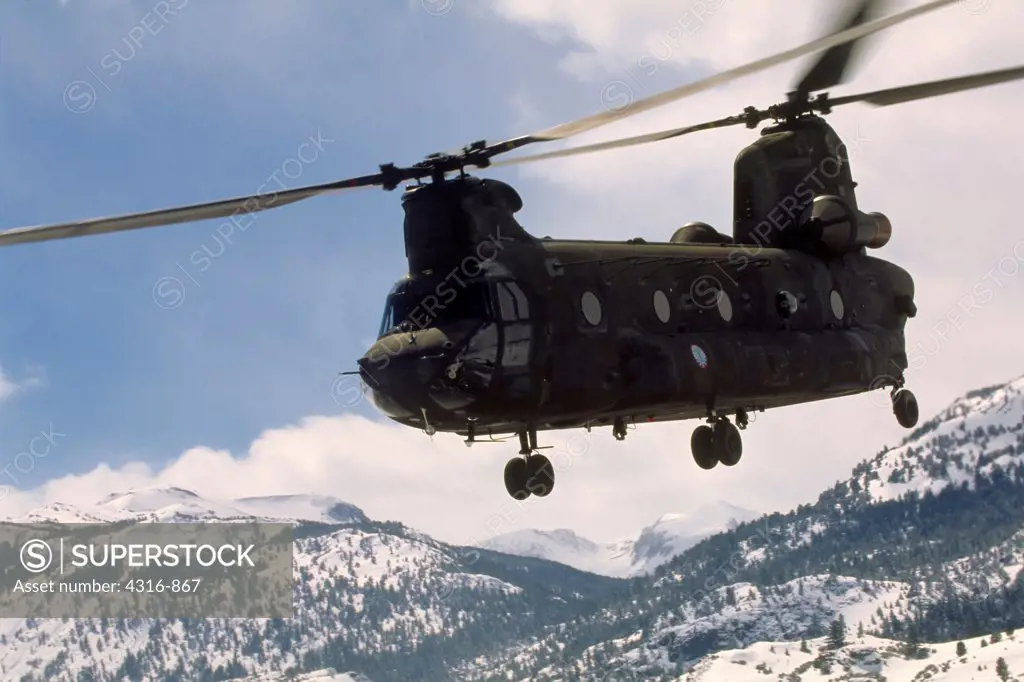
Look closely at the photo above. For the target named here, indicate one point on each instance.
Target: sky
(175, 356)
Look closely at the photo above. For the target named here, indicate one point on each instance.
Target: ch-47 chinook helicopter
(494, 331)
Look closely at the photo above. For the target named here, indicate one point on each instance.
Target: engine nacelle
(829, 226)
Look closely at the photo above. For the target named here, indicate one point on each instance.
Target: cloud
(10, 387)
(435, 484)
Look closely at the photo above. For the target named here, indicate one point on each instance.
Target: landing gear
(619, 428)
(702, 445)
(719, 442)
(904, 406)
(531, 473)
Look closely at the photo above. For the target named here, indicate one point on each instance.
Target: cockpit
(412, 305)
(444, 342)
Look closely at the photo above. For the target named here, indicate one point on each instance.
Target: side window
(517, 346)
(512, 301)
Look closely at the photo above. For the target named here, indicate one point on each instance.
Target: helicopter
(495, 333)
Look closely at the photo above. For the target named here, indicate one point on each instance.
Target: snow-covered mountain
(924, 542)
(367, 597)
(168, 504)
(669, 536)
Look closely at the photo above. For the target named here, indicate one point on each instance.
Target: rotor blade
(831, 67)
(646, 104)
(623, 142)
(909, 93)
(180, 214)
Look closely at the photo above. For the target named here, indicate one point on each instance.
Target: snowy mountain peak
(673, 534)
(317, 508)
(670, 535)
(166, 504)
(719, 513)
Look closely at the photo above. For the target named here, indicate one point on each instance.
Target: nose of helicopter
(399, 369)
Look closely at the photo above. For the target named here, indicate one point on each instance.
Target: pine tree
(996, 637)
(803, 646)
(961, 649)
(837, 633)
(1002, 669)
(912, 647)
(860, 629)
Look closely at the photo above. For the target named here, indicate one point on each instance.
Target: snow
(948, 450)
(315, 508)
(862, 659)
(325, 675)
(168, 504)
(669, 536)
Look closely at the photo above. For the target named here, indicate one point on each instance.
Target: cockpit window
(512, 302)
(413, 307)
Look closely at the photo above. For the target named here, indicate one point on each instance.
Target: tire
(540, 475)
(702, 445)
(728, 443)
(515, 478)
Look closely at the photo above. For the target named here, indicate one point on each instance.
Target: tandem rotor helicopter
(546, 334)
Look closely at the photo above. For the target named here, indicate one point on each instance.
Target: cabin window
(517, 346)
(724, 306)
(836, 301)
(512, 302)
(590, 306)
(662, 308)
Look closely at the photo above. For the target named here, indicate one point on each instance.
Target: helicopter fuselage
(553, 334)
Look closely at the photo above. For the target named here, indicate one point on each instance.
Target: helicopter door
(516, 337)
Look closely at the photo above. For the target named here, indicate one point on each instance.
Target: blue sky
(213, 101)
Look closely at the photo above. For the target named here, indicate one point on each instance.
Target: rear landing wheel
(702, 445)
(728, 443)
(904, 406)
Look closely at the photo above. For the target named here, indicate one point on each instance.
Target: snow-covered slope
(668, 537)
(315, 508)
(324, 675)
(978, 433)
(673, 534)
(170, 504)
(863, 659)
(566, 547)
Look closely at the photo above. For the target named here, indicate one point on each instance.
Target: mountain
(669, 536)
(377, 598)
(566, 547)
(177, 505)
(921, 546)
(924, 541)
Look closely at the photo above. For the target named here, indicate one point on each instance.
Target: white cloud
(10, 387)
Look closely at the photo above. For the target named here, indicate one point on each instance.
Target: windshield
(428, 306)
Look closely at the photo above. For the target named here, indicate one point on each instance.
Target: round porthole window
(838, 309)
(661, 306)
(591, 307)
(724, 306)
